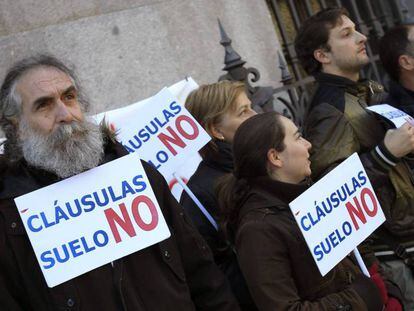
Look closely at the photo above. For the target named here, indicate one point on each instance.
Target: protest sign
(162, 132)
(2, 141)
(396, 116)
(337, 213)
(91, 219)
(129, 120)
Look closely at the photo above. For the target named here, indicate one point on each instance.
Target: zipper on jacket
(117, 267)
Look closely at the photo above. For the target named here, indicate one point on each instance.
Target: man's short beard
(69, 150)
(353, 65)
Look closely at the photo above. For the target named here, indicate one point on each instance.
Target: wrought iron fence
(372, 17)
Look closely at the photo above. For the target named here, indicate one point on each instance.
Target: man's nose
(63, 114)
(361, 38)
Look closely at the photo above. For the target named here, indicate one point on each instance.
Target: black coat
(175, 274)
(401, 98)
(203, 184)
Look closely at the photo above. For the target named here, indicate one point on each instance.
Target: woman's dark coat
(279, 269)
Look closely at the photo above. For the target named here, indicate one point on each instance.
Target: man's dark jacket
(339, 125)
(175, 274)
(401, 98)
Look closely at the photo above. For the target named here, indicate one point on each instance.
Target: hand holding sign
(337, 213)
(400, 141)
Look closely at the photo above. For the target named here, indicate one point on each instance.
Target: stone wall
(126, 50)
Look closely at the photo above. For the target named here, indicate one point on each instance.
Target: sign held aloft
(337, 213)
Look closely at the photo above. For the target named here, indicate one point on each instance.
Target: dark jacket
(203, 184)
(277, 264)
(400, 97)
(175, 274)
(403, 99)
(339, 125)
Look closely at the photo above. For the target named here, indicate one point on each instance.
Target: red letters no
(356, 211)
(173, 139)
(135, 212)
(180, 129)
(125, 223)
(364, 193)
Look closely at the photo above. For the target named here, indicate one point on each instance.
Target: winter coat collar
(359, 89)
(266, 193)
(285, 192)
(223, 158)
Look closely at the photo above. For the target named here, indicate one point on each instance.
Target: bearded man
(48, 139)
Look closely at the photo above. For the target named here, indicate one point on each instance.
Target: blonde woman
(220, 108)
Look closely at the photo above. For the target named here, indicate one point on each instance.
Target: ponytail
(231, 192)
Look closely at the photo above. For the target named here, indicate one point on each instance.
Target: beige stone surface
(126, 50)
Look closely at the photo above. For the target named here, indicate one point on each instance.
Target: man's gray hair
(11, 103)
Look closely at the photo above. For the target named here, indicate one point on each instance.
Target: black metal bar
(288, 45)
(294, 13)
(379, 32)
(281, 27)
(323, 4)
(285, 74)
(373, 63)
(308, 7)
(386, 17)
(296, 84)
(359, 21)
(399, 10)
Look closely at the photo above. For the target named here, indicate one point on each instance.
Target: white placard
(162, 132)
(396, 116)
(91, 219)
(337, 213)
(131, 119)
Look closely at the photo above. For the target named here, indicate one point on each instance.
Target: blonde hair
(209, 103)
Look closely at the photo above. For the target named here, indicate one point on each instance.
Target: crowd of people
(253, 167)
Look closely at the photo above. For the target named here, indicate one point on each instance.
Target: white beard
(69, 150)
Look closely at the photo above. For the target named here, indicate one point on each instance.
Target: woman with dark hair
(271, 166)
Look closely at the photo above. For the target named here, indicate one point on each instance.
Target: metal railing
(372, 17)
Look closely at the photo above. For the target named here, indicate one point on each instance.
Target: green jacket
(339, 125)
